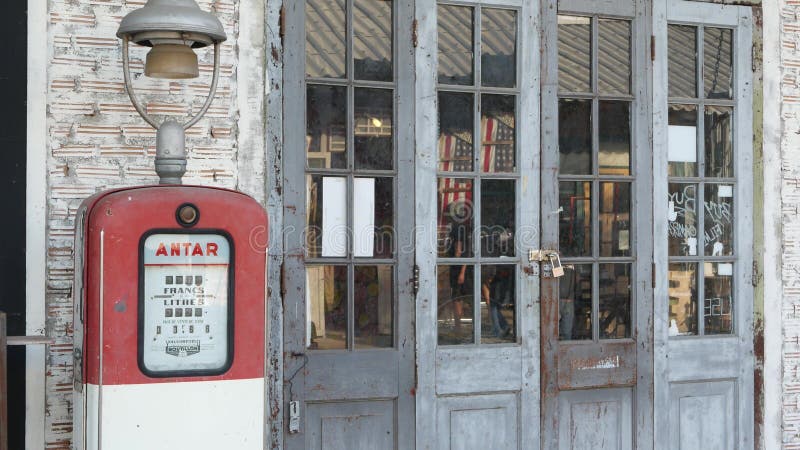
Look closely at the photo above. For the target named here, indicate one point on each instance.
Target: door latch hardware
(294, 417)
(539, 255)
(552, 267)
(416, 279)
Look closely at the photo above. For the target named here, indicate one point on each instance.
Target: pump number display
(184, 311)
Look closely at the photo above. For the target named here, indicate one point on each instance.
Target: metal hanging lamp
(173, 28)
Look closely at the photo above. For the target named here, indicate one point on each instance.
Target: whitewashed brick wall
(790, 156)
(97, 141)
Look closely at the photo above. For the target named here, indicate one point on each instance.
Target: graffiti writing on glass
(682, 207)
(718, 221)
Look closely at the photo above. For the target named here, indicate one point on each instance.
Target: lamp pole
(173, 28)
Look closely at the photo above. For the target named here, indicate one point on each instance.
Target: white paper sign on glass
(682, 143)
(334, 219)
(185, 302)
(364, 217)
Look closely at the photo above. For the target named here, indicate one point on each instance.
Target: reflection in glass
(498, 200)
(719, 141)
(326, 230)
(326, 294)
(575, 303)
(615, 301)
(718, 299)
(372, 136)
(682, 217)
(456, 294)
(614, 56)
(455, 44)
(373, 307)
(615, 219)
(456, 126)
(384, 218)
(682, 299)
(498, 133)
(575, 137)
(682, 141)
(455, 217)
(615, 138)
(575, 219)
(325, 38)
(497, 303)
(718, 219)
(682, 65)
(326, 127)
(574, 54)
(498, 47)
(718, 62)
(372, 40)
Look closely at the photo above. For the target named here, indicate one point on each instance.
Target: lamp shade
(171, 61)
(179, 21)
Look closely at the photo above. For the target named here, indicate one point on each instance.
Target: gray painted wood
(596, 366)
(452, 365)
(598, 419)
(660, 192)
(549, 226)
(274, 189)
(352, 376)
(688, 369)
(324, 381)
(351, 426)
(478, 422)
(530, 216)
(477, 374)
(621, 8)
(425, 63)
(406, 307)
(642, 116)
(293, 273)
(702, 415)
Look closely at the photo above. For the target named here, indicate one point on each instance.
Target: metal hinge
(653, 276)
(414, 40)
(756, 274)
(652, 48)
(415, 281)
(283, 282)
(282, 23)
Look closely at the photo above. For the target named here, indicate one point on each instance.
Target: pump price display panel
(184, 312)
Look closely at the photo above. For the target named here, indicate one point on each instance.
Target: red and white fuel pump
(170, 320)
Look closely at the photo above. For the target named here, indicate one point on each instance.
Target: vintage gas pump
(169, 320)
(169, 293)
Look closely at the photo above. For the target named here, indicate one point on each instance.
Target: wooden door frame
(36, 219)
(642, 294)
(426, 163)
(740, 342)
(298, 370)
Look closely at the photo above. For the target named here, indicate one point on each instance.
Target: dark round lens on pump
(187, 215)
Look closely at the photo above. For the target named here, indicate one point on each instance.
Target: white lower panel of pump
(194, 415)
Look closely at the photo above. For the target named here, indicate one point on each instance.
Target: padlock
(555, 261)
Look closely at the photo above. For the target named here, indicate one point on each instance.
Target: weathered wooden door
(703, 202)
(596, 319)
(477, 185)
(348, 221)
